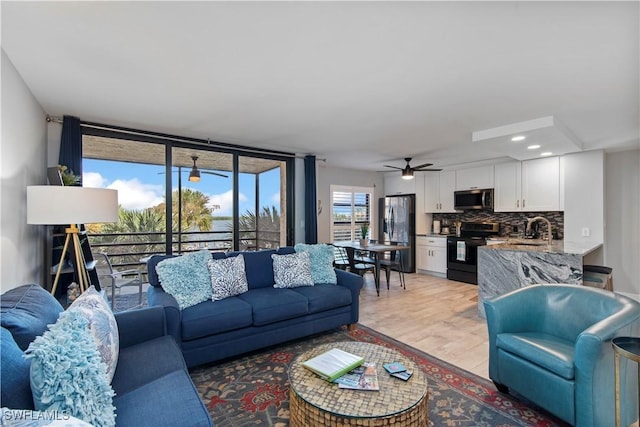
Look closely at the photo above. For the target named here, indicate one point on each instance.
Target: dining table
(377, 250)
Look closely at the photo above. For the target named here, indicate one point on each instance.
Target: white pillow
(102, 325)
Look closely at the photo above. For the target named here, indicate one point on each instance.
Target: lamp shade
(60, 205)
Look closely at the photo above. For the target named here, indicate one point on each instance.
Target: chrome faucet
(541, 218)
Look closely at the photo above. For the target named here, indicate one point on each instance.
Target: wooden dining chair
(394, 261)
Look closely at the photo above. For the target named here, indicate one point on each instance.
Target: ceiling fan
(194, 175)
(407, 171)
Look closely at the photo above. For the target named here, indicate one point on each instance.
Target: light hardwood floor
(435, 315)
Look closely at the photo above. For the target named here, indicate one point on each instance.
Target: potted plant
(364, 231)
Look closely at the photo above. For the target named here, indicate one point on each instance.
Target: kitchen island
(518, 263)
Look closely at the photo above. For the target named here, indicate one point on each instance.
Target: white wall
(584, 196)
(622, 236)
(23, 157)
(327, 176)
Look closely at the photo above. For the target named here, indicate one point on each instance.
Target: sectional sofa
(151, 383)
(261, 317)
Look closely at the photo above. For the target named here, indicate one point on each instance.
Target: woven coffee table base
(302, 414)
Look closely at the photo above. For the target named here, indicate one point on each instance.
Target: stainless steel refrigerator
(397, 223)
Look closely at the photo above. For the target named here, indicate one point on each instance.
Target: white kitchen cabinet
(431, 254)
(475, 178)
(507, 193)
(394, 184)
(529, 186)
(541, 184)
(422, 225)
(438, 191)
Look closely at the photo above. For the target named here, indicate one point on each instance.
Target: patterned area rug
(254, 390)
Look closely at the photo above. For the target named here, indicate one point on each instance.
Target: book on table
(333, 363)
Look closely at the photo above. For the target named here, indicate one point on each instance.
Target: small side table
(628, 347)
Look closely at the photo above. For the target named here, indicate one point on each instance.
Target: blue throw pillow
(292, 271)
(67, 373)
(187, 278)
(102, 325)
(321, 257)
(26, 311)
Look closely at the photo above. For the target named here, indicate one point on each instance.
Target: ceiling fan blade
(394, 167)
(214, 173)
(422, 166)
(427, 170)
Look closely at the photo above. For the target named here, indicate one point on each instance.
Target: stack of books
(347, 370)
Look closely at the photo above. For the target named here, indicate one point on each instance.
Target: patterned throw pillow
(292, 271)
(186, 277)
(67, 373)
(102, 325)
(321, 257)
(227, 277)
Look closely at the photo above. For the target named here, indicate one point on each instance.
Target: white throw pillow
(292, 270)
(228, 277)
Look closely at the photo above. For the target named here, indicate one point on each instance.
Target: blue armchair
(551, 344)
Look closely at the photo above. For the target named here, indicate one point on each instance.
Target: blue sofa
(263, 316)
(552, 345)
(151, 383)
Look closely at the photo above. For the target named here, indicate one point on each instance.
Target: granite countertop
(557, 246)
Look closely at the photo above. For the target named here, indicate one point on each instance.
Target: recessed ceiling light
(533, 147)
(518, 138)
(546, 153)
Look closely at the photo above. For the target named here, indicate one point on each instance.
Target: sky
(141, 186)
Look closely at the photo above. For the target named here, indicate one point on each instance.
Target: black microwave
(469, 200)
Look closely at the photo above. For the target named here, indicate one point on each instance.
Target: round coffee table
(315, 402)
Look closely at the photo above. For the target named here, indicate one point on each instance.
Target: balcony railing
(130, 250)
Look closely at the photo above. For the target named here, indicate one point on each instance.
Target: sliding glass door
(220, 199)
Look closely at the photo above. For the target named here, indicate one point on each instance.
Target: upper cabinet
(531, 185)
(438, 191)
(394, 184)
(474, 178)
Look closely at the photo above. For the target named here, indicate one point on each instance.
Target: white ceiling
(358, 83)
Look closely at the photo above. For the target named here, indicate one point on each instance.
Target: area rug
(253, 390)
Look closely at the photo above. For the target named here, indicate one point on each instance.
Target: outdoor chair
(117, 279)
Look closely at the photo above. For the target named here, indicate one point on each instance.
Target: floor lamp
(60, 205)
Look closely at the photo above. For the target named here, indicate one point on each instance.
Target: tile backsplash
(510, 222)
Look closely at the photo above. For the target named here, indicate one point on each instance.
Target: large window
(241, 199)
(351, 207)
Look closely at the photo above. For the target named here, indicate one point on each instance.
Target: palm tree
(268, 230)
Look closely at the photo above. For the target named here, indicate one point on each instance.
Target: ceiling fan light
(407, 173)
(194, 175)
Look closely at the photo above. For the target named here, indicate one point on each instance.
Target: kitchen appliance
(469, 200)
(462, 251)
(397, 223)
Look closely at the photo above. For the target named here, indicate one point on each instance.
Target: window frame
(354, 224)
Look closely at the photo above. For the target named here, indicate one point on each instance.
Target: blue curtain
(71, 145)
(310, 208)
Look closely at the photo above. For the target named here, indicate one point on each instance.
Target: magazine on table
(368, 378)
(333, 363)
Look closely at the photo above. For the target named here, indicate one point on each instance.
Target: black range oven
(462, 251)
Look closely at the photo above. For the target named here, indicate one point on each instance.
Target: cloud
(133, 194)
(225, 203)
(93, 180)
(275, 199)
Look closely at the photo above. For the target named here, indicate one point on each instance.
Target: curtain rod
(207, 143)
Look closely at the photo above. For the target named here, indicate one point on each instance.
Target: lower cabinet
(431, 254)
